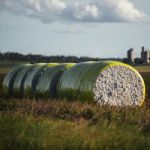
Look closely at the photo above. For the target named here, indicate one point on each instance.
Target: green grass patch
(32, 133)
(142, 68)
(4, 70)
(64, 125)
(146, 77)
(2, 75)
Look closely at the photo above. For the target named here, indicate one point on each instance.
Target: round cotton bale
(33, 77)
(19, 81)
(31, 80)
(47, 83)
(107, 83)
(9, 80)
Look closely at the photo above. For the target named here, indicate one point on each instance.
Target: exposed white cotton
(118, 86)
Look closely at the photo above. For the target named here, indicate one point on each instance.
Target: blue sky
(95, 28)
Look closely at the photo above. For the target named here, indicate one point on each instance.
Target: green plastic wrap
(77, 83)
(32, 78)
(106, 82)
(9, 80)
(19, 81)
(71, 81)
(47, 83)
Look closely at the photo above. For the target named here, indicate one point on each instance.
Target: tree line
(34, 58)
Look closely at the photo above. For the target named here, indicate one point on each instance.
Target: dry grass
(62, 125)
(72, 111)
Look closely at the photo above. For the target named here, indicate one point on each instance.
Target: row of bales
(106, 82)
(34, 80)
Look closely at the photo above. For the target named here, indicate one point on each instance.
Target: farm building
(145, 55)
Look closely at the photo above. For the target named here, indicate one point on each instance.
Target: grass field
(52, 124)
(143, 68)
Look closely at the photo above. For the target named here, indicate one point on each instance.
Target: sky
(93, 28)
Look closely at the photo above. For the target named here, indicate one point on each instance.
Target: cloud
(74, 11)
(67, 31)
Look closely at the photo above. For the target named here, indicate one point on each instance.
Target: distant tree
(14, 56)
